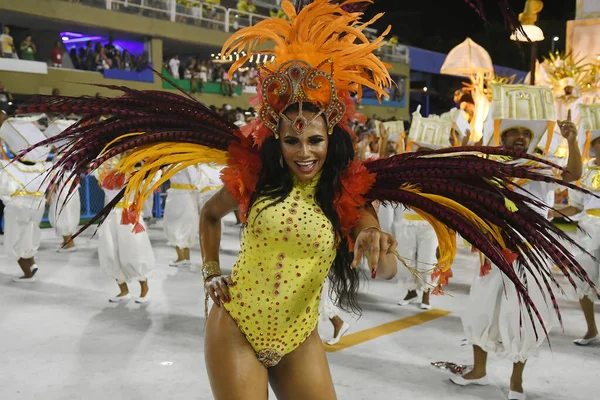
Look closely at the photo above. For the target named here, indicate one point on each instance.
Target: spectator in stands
(127, 61)
(189, 70)
(142, 62)
(226, 87)
(392, 43)
(211, 12)
(174, 66)
(57, 54)
(246, 6)
(198, 77)
(6, 99)
(101, 62)
(89, 57)
(203, 69)
(112, 53)
(277, 13)
(75, 58)
(27, 48)
(82, 59)
(7, 44)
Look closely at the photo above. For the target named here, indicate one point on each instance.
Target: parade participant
(586, 210)
(22, 188)
(124, 248)
(328, 310)
(181, 216)
(417, 240)
(64, 211)
(304, 198)
(491, 318)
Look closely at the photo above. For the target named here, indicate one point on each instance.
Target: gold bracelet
(210, 269)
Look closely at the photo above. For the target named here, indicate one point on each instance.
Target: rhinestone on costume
(269, 357)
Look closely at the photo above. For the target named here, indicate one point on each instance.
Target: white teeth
(305, 164)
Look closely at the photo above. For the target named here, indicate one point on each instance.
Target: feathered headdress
(320, 56)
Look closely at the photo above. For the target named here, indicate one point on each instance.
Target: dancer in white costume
(124, 255)
(210, 183)
(328, 309)
(492, 320)
(586, 210)
(182, 216)
(65, 210)
(22, 187)
(417, 241)
(392, 143)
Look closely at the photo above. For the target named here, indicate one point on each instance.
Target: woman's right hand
(217, 288)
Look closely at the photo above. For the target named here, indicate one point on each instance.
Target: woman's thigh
(304, 373)
(233, 369)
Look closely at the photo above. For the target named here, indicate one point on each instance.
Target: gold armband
(211, 269)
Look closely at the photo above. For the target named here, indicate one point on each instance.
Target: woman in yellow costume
(304, 198)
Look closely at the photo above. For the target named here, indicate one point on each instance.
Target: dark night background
(439, 25)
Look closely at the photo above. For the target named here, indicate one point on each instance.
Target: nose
(303, 151)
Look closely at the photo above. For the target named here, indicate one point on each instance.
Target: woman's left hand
(375, 245)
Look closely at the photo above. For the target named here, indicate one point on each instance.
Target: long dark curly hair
(276, 183)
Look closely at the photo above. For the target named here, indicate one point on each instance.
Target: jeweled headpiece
(321, 56)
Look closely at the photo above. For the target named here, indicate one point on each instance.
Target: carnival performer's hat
(520, 106)
(56, 127)
(19, 134)
(556, 142)
(433, 132)
(459, 123)
(589, 128)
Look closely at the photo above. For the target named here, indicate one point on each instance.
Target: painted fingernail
(373, 274)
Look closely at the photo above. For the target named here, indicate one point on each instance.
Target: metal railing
(195, 12)
(192, 12)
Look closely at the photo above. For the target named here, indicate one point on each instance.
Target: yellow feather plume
(447, 237)
(153, 157)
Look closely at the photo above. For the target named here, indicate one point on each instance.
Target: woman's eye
(290, 141)
(316, 140)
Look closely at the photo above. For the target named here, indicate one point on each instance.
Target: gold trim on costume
(183, 186)
(209, 188)
(26, 193)
(413, 217)
(593, 212)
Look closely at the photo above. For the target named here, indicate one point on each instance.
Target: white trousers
(22, 233)
(495, 321)
(590, 241)
(64, 212)
(148, 207)
(181, 219)
(124, 256)
(416, 241)
(327, 307)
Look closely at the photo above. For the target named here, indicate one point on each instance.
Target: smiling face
(517, 139)
(304, 154)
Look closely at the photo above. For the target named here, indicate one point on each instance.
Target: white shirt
(21, 179)
(590, 180)
(174, 67)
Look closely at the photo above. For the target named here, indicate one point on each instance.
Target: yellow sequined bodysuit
(286, 252)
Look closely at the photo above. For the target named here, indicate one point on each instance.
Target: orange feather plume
(325, 36)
